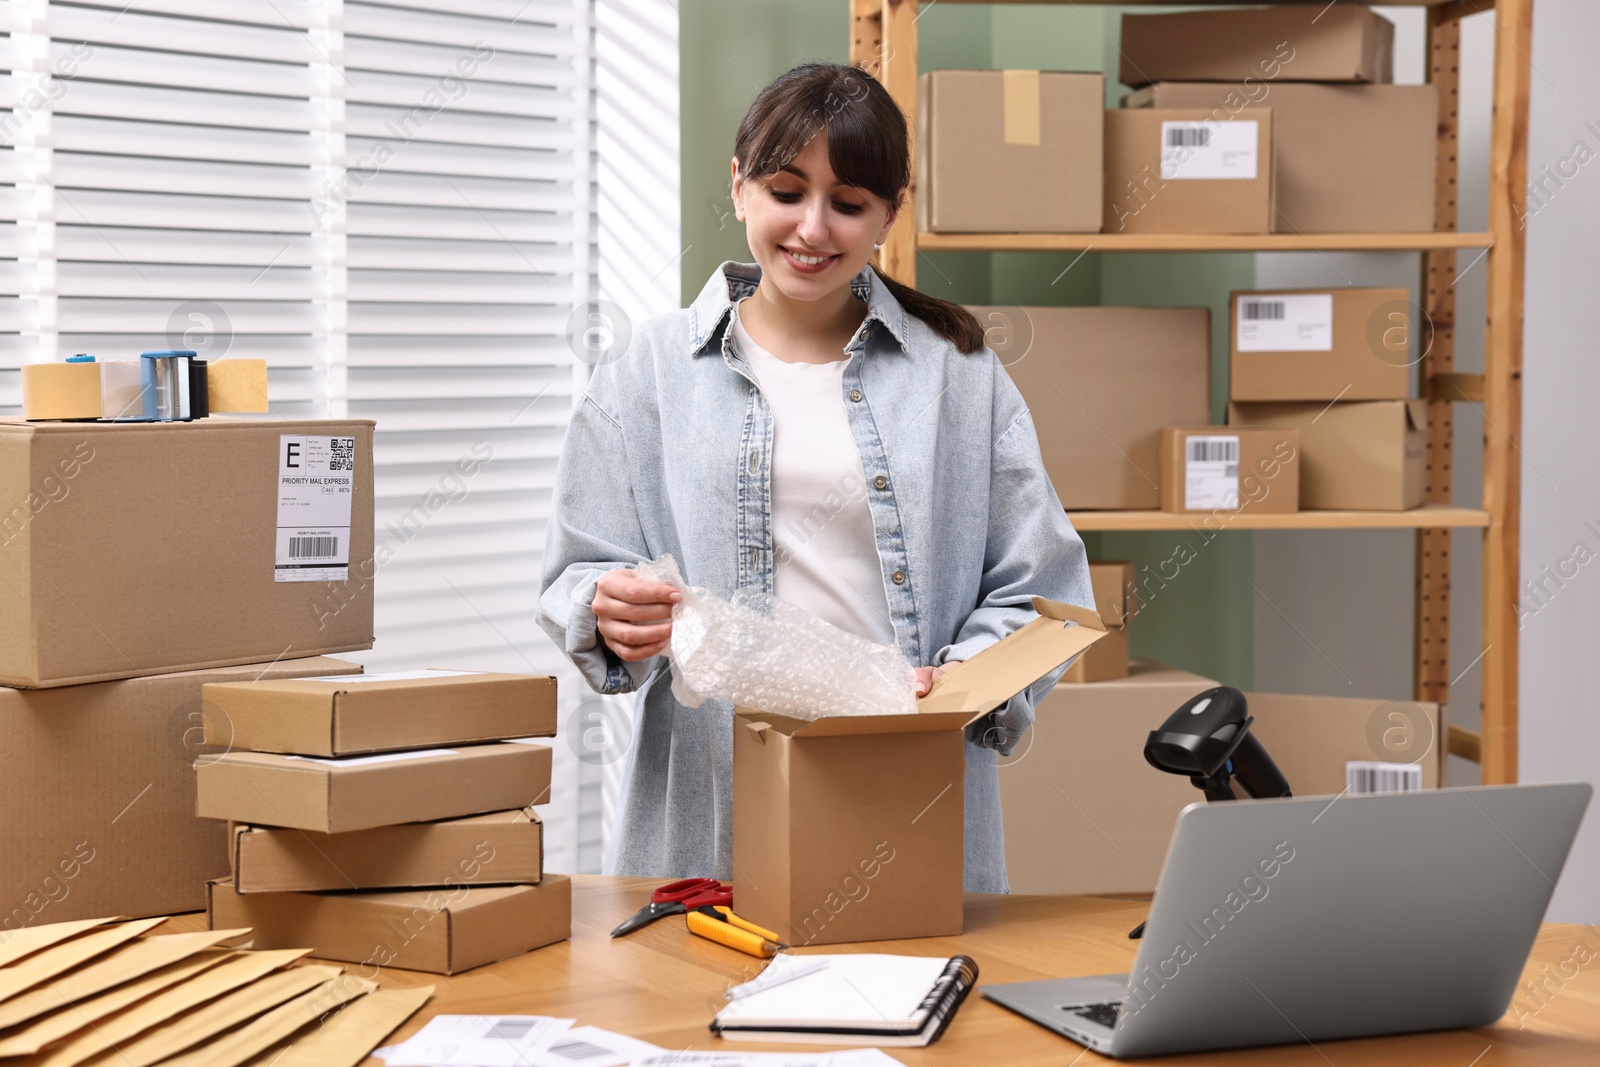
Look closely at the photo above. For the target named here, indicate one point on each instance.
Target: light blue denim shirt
(670, 449)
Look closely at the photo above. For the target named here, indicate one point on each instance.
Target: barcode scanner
(1209, 739)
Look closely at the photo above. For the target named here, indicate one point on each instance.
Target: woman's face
(809, 233)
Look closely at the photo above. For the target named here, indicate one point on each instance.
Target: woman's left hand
(927, 675)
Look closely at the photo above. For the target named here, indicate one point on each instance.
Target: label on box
(1209, 149)
(1372, 776)
(1211, 472)
(365, 761)
(1285, 322)
(392, 676)
(316, 485)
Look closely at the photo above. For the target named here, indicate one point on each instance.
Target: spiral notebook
(867, 999)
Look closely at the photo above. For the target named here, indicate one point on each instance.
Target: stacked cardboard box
(1333, 367)
(1353, 153)
(382, 819)
(1116, 598)
(139, 562)
(1226, 469)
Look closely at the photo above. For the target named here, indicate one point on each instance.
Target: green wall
(1200, 615)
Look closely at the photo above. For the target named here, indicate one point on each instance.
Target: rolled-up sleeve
(594, 528)
(1031, 550)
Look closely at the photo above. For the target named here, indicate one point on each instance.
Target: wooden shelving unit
(884, 42)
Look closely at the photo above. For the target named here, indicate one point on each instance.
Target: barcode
(1262, 310)
(511, 1029)
(313, 547)
(342, 455)
(1188, 137)
(1365, 776)
(578, 1051)
(1213, 450)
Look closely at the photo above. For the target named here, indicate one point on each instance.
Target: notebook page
(866, 990)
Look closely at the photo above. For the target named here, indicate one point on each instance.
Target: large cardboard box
(1084, 812)
(1116, 598)
(1255, 46)
(1350, 158)
(1009, 151)
(500, 848)
(1364, 456)
(1227, 468)
(334, 796)
(1319, 344)
(1101, 382)
(445, 931)
(1180, 170)
(140, 548)
(850, 828)
(97, 796)
(1313, 738)
(380, 712)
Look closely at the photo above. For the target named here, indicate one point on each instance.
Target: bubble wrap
(761, 652)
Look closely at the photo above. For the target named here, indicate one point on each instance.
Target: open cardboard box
(849, 828)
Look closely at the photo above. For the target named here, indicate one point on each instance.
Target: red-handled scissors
(678, 898)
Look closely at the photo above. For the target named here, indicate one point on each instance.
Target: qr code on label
(342, 456)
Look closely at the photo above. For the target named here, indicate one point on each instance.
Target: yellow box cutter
(718, 923)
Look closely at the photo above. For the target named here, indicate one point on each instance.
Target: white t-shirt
(825, 550)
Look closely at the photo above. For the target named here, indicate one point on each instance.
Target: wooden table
(662, 985)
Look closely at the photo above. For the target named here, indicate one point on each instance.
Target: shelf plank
(1199, 242)
(1424, 518)
(1474, 5)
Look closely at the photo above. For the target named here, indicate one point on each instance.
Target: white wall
(1561, 436)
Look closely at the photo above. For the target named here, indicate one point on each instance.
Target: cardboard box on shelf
(500, 848)
(1362, 456)
(1254, 47)
(1226, 468)
(97, 795)
(1100, 438)
(380, 712)
(132, 549)
(1350, 158)
(1009, 151)
(1084, 812)
(850, 828)
(333, 796)
(1180, 170)
(1312, 738)
(1319, 344)
(1116, 598)
(443, 931)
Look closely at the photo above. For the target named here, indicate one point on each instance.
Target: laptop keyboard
(1104, 1014)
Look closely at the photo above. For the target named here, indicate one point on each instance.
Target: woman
(813, 429)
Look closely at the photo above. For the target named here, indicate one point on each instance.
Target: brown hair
(867, 148)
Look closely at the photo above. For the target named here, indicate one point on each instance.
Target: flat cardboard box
(1180, 170)
(1319, 344)
(144, 548)
(1350, 158)
(1104, 660)
(1084, 812)
(444, 931)
(1364, 456)
(1311, 738)
(97, 795)
(1255, 46)
(500, 848)
(850, 828)
(380, 712)
(1228, 468)
(1009, 151)
(1100, 437)
(361, 792)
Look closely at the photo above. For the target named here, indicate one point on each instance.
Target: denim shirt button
(880, 482)
(855, 394)
(899, 577)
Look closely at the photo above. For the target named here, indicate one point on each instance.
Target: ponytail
(951, 321)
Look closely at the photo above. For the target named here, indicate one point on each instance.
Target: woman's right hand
(634, 617)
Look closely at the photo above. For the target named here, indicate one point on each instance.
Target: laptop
(1318, 918)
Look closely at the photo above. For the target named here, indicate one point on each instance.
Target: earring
(877, 248)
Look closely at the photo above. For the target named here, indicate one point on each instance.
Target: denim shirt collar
(733, 281)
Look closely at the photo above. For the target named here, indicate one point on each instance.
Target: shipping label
(316, 486)
(1284, 322)
(1211, 473)
(1210, 149)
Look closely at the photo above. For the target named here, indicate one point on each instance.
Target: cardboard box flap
(1004, 669)
(1417, 414)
